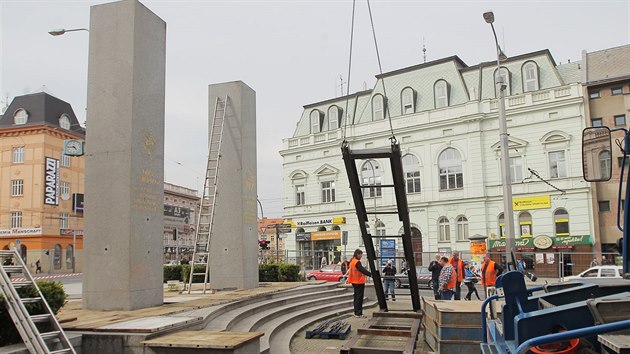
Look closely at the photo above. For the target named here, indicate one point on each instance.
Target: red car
(328, 273)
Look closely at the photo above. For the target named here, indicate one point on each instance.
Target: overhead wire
(380, 68)
(345, 112)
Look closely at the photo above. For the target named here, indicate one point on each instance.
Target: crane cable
(380, 68)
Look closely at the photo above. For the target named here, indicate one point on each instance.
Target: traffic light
(263, 244)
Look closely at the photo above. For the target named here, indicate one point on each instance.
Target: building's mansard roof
(606, 65)
(41, 109)
(464, 84)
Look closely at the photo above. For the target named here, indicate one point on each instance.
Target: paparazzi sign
(51, 181)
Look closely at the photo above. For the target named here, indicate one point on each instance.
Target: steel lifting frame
(393, 154)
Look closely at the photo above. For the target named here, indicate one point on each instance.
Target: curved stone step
(273, 326)
(227, 320)
(252, 323)
(281, 340)
(210, 313)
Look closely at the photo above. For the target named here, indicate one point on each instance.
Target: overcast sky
(291, 53)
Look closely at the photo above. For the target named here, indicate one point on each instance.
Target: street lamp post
(508, 212)
(61, 31)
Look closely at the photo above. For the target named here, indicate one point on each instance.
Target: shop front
(318, 241)
(549, 256)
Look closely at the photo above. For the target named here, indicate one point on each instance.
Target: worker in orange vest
(458, 266)
(490, 270)
(448, 279)
(356, 277)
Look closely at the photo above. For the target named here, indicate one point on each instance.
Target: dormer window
(20, 117)
(407, 99)
(316, 121)
(64, 122)
(378, 104)
(504, 75)
(530, 77)
(333, 118)
(441, 94)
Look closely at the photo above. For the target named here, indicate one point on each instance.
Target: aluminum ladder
(41, 333)
(402, 210)
(205, 221)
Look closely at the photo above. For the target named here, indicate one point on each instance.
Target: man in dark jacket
(435, 267)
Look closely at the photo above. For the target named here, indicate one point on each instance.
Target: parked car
(328, 273)
(422, 274)
(605, 271)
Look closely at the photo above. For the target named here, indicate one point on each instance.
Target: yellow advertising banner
(326, 235)
(537, 202)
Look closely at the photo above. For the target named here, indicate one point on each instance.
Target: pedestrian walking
(594, 263)
(38, 266)
(389, 279)
(356, 277)
(344, 265)
(470, 280)
(448, 279)
(324, 262)
(489, 273)
(458, 265)
(435, 267)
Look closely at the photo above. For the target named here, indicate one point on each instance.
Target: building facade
(41, 199)
(181, 206)
(444, 114)
(606, 78)
(275, 245)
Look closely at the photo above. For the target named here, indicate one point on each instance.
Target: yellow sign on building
(537, 202)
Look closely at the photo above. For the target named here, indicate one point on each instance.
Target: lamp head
(489, 17)
(57, 32)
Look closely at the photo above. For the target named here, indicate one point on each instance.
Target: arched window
(525, 223)
(411, 167)
(64, 122)
(604, 163)
(450, 168)
(69, 257)
(336, 227)
(20, 117)
(530, 76)
(380, 228)
(333, 117)
(378, 107)
(316, 121)
(440, 91)
(504, 75)
(444, 229)
(561, 221)
(501, 225)
(462, 228)
(371, 176)
(57, 257)
(321, 228)
(407, 99)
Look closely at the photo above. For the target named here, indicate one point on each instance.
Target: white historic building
(444, 114)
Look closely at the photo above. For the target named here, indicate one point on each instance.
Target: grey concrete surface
(233, 247)
(124, 167)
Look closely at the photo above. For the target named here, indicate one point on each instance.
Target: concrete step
(213, 312)
(251, 324)
(229, 319)
(273, 326)
(281, 339)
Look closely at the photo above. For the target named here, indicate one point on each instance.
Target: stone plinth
(234, 247)
(124, 168)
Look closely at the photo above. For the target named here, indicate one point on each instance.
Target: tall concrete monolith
(234, 243)
(124, 168)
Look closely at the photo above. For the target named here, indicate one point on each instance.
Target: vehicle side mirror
(596, 154)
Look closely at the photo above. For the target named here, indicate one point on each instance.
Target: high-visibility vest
(452, 282)
(460, 268)
(489, 276)
(354, 276)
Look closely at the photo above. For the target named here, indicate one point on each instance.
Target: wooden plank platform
(204, 340)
